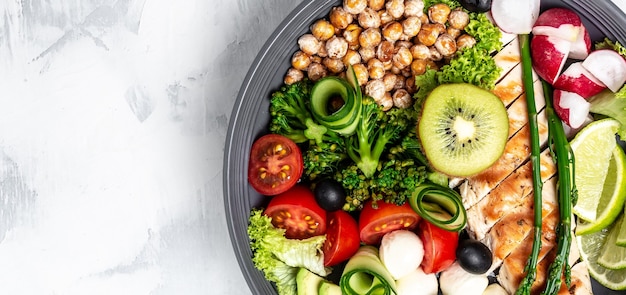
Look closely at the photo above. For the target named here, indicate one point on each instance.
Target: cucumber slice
(440, 205)
(334, 90)
(365, 274)
(307, 283)
(328, 288)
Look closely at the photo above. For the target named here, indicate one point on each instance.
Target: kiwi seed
(463, 129)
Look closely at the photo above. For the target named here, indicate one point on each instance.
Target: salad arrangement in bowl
(425, 146)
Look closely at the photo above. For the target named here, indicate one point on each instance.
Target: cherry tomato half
(275, 164)
(297, 212)
(342, 238)
(439, 247)
(374, 223)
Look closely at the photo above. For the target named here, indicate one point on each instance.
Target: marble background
(113, 116)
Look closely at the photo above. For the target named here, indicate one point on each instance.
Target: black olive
(474, 256)
(476, 5)
(330, 195)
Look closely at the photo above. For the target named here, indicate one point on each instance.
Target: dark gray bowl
(250, 117)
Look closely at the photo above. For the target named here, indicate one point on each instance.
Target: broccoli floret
(291, 116)
(393, 181)
(323, 159)
(375, 131)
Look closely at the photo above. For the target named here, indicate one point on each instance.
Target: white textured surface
(113, 116)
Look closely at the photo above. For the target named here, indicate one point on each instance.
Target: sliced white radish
(549, 55)
(582, 46)
(558, 22)
(578, 80)
(607, 66)
(515, 17)
(572, 108)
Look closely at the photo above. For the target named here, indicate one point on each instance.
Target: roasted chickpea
(385, 17)
(322, 30)
(370, 38)
(465, 41)
(411, 26)
(429, 33)
(300, 60)
(403, 58)
(392, 31)
(388, 65)
(367, 53)
(424, 18)
(409, 84)
(413, 8)
(375, 89)
(446, 45)
(334, 65)
(385, 51)
(339, 18)
(316, 71)
(400, 82)
(375, 68)
(322, 52)
(369, 18)
(395, 70)
(390, 80)
(458, 19)
(354, 6)
(352, 57)
(386, 102)
(336, 47)
(455, 33)
(376, 4)
(420, 51)
(395, 8)
(403, 43)
(351, 34)
(317, 59)
(402, 99)
(435, 55)
(360, 70)
(407, 72)
(439, 13)
(309, 44)
(293, 76)
(419, 66)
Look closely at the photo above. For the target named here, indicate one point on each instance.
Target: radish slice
(515, 17)
(572, 108)
(578, 80)
(608, 66)
(558, 22)
(549, 55)
(582, 46)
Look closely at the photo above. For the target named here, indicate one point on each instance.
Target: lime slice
(611, 201)
(621, 235)
(613, 256)
(590, 248)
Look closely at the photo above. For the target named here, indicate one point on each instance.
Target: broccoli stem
(564, 157)
(531, 264)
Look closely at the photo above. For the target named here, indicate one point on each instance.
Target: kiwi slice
(463, 129)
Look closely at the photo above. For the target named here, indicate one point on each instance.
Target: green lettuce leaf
(278, 257)
(612, 105)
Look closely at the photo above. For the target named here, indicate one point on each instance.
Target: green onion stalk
(527, 78)
(564, 157)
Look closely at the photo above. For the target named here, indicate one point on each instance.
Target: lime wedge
(611, 200)
(592, 148)
(613, 256)
(590, 247)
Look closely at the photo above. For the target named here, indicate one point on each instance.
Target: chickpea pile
(387, 42)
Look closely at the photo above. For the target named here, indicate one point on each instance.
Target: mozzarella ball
(454, 280)
(418, 283)
(401, 252)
